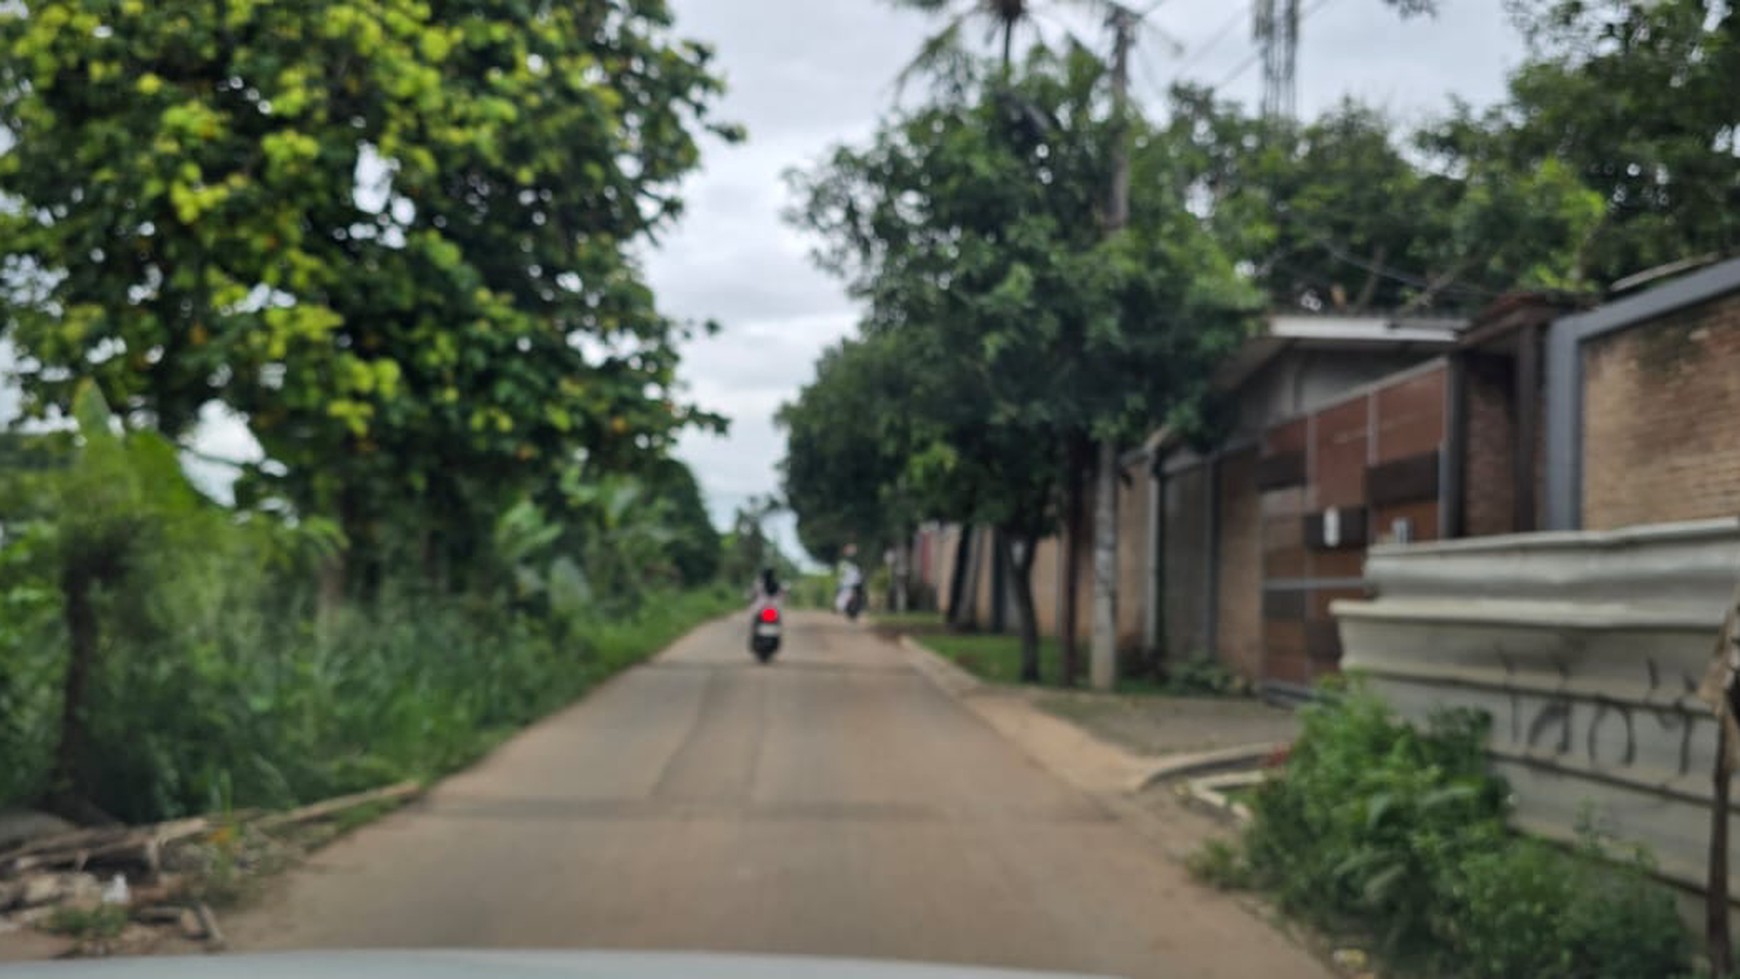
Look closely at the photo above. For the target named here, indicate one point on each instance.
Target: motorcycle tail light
(770, 614)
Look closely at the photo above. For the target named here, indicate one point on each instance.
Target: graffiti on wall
(1604, 731)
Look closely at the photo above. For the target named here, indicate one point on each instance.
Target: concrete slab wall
(1585, 649)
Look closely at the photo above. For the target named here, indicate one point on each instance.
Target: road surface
(834, 803)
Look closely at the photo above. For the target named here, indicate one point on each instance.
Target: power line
(1151, 75)
(1218, 36)
(1233, 76)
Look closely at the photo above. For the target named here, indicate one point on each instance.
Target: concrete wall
(1661, 424)
(1184, 510)
(946, 549)
(1046, 561)
(1585, 649)
(1239, 601)
(984, 564)
(1305, 380)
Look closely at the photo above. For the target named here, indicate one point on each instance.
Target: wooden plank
(1403, 480)
(1280, 471)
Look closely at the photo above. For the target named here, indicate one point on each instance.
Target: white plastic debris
(116, 892)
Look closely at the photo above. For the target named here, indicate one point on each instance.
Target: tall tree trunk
(1008, 48)
(1717, 939)
(1363, 300)
(1075, 462)
(68, 786)
(1104, 665)
(903, 573)
(958, 575)
(1019, 561)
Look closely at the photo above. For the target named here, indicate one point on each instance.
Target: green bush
(1370, 813)
(1531, 910)
(1202, 676)
(1401, 833)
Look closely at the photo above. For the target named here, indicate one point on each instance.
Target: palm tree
(1002, 20)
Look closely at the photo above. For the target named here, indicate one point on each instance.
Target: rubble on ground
(126, 889)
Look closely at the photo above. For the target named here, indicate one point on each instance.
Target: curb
(1209, 794)
(1205, 763)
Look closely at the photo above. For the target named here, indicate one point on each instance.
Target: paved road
(834, 803)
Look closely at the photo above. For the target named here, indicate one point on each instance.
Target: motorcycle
(765, 629)
(854, 604)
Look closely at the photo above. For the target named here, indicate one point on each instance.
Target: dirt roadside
(1118, 777)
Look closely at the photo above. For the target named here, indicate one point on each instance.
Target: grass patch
(910, 622)
(1220, 864)
(101, 922)
(996, 658)
(1245, 794)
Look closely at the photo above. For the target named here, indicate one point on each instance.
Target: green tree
(1341, 214)
(848, 443)
(694, 548)
(748, 548)
(398, 238)
(969, 232)
(88, 522)
(1635, 100)
(1002, 20)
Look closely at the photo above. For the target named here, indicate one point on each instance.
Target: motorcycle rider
(851, 580)
(765, 615)
(767, 587)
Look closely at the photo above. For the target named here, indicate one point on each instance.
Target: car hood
(509, 965)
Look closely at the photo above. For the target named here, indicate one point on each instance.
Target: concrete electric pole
(1103, 658)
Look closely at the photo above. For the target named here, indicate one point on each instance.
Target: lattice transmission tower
(1276, 29)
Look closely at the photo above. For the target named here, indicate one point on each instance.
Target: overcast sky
(806, 74)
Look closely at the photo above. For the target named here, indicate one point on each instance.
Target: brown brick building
(1539, 414)
(1643, 406)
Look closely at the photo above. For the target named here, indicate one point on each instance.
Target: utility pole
(1103, 658)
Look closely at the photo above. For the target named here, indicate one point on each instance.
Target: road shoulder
(1118, 779)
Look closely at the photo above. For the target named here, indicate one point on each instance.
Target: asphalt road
(834, 803)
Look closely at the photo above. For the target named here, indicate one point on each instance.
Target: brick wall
(1661, 425)
(1489, 491)
(1239, 623)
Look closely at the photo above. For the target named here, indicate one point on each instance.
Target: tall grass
(218, 689)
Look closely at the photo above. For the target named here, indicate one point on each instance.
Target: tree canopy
(970, 228)
(395, 237)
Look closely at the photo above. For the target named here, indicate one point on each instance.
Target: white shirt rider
(850, 579)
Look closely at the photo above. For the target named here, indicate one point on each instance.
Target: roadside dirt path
(838, 802)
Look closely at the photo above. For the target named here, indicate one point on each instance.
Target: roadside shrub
(1529, 909)
(1220, 864)
(1202, 676)
(1401, 832)
(1371, 812)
